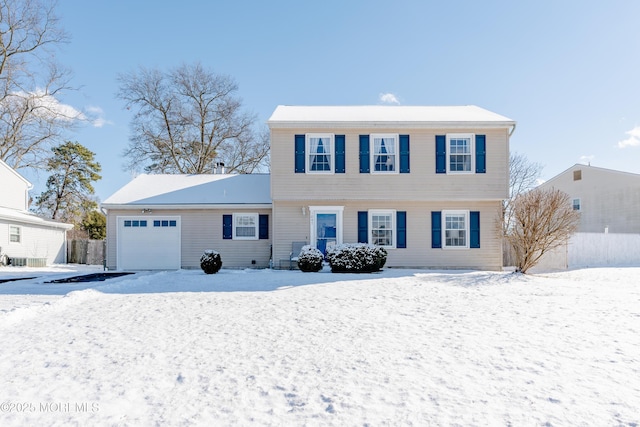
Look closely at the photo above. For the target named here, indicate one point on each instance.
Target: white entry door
(148, 242)
(326, 226)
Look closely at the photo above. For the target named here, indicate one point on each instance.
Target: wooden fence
(85, 251)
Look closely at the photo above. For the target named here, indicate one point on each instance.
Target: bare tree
(523, 176)
(31, 117)
(187, 119)
(542, 221)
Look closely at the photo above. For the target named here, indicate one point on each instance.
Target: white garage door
(149, 243)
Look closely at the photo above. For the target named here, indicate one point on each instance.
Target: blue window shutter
(404, 153)
(436, 229)
(481, 154)
(364, 153)
(474, 227)
(363, 228)
(339, 141)
(401, 224)
(227, 226)
(299, 153)
(441, 154)
(263, 226)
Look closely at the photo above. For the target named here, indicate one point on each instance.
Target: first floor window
(245, 226)
(459, 153)
(384, 153)
(319, 148)
(382, 228)
(456, 229)
(14, 234)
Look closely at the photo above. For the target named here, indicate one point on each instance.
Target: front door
(326, 227)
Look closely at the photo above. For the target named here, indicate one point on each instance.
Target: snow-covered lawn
(401, 347)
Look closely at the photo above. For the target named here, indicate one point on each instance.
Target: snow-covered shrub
(310, 259)
(210, 261)
(356, 258)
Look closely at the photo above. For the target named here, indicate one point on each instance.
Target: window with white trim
(319, 153)
(15, 235)
(382, 228)
(245, 226)
(576, 204)
(384, 153)
(460, 153)
(455, 229)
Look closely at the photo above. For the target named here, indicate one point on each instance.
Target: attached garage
(166, 222)
(148, 242)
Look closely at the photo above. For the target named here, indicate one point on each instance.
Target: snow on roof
(29, 218)
(388, 114)
(193, 190)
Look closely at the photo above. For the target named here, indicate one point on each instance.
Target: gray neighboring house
(158, 222)
(25, 238)
(608, 200)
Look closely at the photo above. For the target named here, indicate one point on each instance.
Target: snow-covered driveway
(288, 348)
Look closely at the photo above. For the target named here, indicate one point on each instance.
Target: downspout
(512, 130)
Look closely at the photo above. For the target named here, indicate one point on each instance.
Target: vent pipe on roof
(217, 168)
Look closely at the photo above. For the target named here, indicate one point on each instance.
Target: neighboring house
(427, 183)
(608, 200)
(168, 221)
(25, 238)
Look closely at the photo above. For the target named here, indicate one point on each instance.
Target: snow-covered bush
(310, 259)
(356, 258)
(210, 261)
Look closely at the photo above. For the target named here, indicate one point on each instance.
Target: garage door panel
(143, 246)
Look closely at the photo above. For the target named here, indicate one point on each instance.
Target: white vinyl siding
(291, 224)
(422, 184)
(201, 229)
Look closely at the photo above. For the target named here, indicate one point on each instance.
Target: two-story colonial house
(426, 183)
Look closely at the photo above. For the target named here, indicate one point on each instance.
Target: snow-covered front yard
(401, 347)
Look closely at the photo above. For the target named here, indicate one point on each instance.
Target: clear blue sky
(567, 71)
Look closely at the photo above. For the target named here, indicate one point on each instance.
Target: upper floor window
(576, 204)
(319, 153)
(460, 153)
(14, 234)
(384, 153)
(245, 226)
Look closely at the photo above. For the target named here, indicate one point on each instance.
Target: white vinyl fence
(594, 250)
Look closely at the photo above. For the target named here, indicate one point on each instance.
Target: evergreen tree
(95, 224)
(69, 192)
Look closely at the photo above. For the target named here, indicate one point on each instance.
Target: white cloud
(633, 140)
(96, 117)
(52, 107)
(389, 98)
